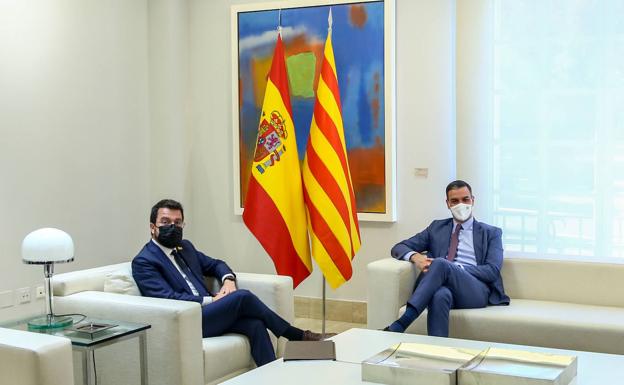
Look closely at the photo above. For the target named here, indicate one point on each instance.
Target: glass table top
(84, 331)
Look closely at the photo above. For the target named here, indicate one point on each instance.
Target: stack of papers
(516, 367)
(421, 364)
(417, 364)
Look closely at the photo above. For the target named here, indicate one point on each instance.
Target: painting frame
(389, 86)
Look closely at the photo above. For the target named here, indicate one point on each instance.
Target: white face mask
(461, 211)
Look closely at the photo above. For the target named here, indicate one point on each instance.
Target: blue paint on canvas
(358, 41)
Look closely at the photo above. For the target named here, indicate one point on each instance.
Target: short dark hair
(457, 184)
(167, 204)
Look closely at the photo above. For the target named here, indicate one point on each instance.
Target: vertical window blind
(557, 160)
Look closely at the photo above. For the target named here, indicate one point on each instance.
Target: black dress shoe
(386, 329)
(309, 335)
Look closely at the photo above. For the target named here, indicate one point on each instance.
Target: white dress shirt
(465, 249)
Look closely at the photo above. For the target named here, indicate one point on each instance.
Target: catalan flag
(274, 207)
(328, 191)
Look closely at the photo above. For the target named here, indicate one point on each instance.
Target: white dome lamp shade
(46, 247)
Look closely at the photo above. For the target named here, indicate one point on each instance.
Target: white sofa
(177, 354)
(558, 304)
(34, 359)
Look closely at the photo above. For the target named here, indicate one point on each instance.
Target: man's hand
(228, 287)
(218, 296)
(421, 261)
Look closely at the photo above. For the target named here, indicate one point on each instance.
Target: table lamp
(46, 247)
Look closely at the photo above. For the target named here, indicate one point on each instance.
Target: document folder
(310, 350)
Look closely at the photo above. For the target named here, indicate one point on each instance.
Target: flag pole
(329, 27)
(324, 298)
(330, 19)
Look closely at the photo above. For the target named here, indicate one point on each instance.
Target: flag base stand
(312, 350)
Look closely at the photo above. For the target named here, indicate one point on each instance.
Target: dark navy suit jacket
(156, 275)
(488, 248)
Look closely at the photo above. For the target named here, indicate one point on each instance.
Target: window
(557, 172)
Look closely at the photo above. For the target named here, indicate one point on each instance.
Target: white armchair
(176, 352)
(34, 359)
(390, 285)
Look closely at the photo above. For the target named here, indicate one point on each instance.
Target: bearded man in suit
(169, 266)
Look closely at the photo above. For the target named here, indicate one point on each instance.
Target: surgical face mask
(461, 211)
(169, 236)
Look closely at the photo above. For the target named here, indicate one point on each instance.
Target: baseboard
(335, 310)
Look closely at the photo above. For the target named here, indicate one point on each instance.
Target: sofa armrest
(174, 342)
(390, 284)
(276, 291)
(35, 359)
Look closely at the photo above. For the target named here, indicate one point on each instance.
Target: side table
(86, 342)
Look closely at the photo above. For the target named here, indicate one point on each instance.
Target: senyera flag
(274, 207)
(328, 191)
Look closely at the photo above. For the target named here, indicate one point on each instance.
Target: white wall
(74, 132)
(106, 106)
(425, 46)
(475, 86)
(169, 90)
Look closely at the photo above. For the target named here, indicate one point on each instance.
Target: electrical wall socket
(40, 292)
(421, 172)
(22, 295)
(6, 298)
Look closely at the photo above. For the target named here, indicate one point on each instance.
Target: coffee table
(356, 345)
(86, 343)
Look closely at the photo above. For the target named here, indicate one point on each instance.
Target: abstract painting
(360, 40)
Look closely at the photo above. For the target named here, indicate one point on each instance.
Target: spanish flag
(328, 191)
(274, 208)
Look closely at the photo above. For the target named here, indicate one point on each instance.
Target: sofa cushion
(539, 323)
(121, 281)
(224, 355)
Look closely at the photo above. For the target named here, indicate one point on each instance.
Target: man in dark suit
(460, 261)
(170, 267)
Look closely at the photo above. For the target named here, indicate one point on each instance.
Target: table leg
(87, 367)
(143, 356)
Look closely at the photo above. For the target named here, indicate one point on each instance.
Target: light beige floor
(330, 326)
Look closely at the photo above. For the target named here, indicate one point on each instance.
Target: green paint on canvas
(301, 74)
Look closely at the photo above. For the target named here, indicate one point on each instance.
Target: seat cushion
(539, 323)
(226, 354)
